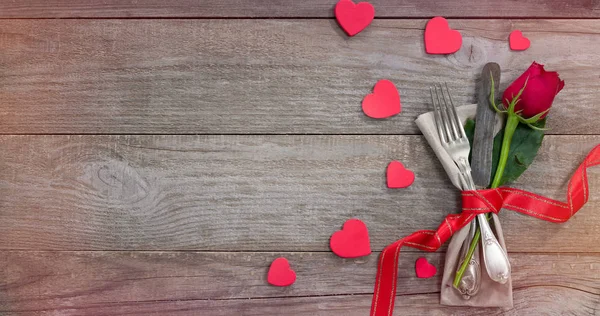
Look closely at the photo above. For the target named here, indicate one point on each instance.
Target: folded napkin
(491, 294)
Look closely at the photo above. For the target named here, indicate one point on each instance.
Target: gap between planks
(287, 9)
(183, 251)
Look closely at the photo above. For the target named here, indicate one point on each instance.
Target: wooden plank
(266, 77)
(306, 8)
(536, 300)
(528, 301)
(254, 193)
(54, 280)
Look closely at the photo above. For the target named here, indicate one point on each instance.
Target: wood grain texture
(305, 8)
(34, 279)
(128, 284)
(266, 76)
(254, 193)
(549, 301)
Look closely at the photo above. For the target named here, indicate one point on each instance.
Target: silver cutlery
(471, 279)
(455, 142)
(481, 165)
(483, 140)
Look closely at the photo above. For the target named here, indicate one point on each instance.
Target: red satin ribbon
(479, 202)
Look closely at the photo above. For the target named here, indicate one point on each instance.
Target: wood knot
(472, 54)
(117, 181)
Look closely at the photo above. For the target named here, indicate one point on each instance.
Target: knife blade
(483, 140)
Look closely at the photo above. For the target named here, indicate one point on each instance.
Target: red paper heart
(353, 18)
(383, 102)
(424, 269)
(440, 39)
(280, 273)
(398, 176)
(352, 241)
(517, 41)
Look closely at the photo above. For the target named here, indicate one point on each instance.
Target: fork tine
(450, 119)
(448, 126)
(437, 115)
(454, 114)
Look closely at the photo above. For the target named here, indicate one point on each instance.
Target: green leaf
(523, 149)
(470, 131)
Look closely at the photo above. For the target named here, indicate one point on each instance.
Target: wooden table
(156, 156)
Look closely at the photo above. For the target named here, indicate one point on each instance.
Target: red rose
(542, 86)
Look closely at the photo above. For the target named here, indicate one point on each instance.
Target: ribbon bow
(479, 202)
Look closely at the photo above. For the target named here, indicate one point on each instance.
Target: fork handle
(471, 279)
(465, 169)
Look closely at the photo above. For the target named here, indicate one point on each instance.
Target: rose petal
(535, 69)
(561, 85)
(538, 95)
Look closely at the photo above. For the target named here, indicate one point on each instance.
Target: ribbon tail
(386, 280)
(387, 271)
(551, 210)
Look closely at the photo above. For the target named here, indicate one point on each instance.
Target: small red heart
(424, 269)
(398, 176)
(354, 18)
(383, 102)
(280, 273)
(440, 38)
(352, 241)
(517, 41)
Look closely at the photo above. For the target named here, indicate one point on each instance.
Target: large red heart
(398, 176)
(354, 18)
(352, 241)
(440, 39)
(383, 102)
(517, 41)
(280, 273)
(424, 269)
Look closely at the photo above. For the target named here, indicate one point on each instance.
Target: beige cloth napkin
(491, 294)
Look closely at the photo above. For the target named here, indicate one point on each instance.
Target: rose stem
(511, 126)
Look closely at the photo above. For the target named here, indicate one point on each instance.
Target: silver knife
(495, 258)
(481, 164)
(483, 140)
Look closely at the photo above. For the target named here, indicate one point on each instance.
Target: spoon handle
(494, 257)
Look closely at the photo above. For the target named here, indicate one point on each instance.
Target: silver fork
(455, 142)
